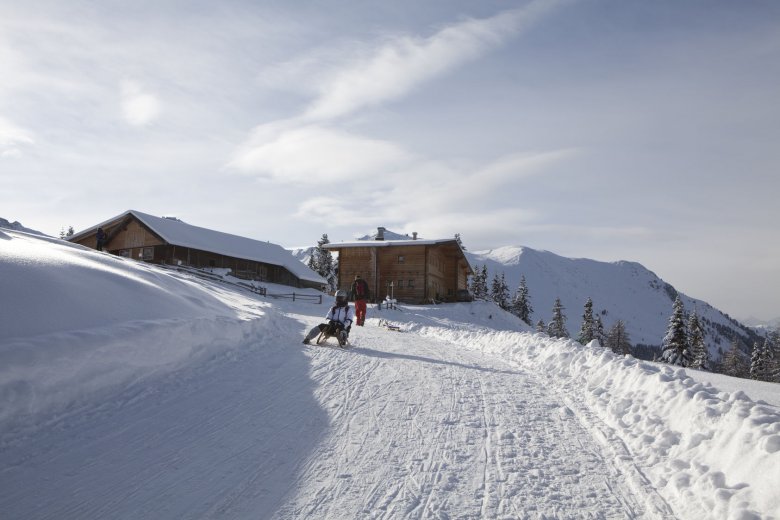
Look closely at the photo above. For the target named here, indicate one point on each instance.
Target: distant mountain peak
(507, 255)
(17, 226)
(385, 234)
(621, 290)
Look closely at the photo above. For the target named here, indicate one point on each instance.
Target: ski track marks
(399, 426)
(423, 429)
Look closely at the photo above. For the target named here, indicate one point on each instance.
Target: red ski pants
(360, 311)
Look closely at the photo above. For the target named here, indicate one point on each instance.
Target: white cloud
(401, 64)
(139, 106)
(13, 138)
(315, 154)
(439, 198)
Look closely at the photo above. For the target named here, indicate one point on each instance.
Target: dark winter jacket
(353, 292)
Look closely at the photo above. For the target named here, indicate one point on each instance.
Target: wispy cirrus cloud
(398, 65)
(435, 196)
(13, 138)
(309, 147)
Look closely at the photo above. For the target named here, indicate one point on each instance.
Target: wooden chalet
(166, 240)
(409, 269)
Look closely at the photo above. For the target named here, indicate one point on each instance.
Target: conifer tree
(618, 340)
(757, 365)
(599, 331)
(321, 262)
(733, 363)
(499, 291)
(540, 326)
(701, 356)
(557, 326)
(771, 358)
(587, 329)
(475, 283)
(521, 304)
(675, 348)
(479, 284)
(504, 292)
(65, 234)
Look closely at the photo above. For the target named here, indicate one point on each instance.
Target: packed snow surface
(130, 391)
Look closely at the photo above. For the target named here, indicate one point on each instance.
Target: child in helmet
(339, 317)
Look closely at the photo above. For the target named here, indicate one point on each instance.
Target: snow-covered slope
(620, 291)
(148, 393)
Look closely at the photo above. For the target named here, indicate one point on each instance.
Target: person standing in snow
(339, 318)
(359, 294)
(101, 238)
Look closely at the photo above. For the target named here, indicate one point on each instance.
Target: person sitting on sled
(339, 318)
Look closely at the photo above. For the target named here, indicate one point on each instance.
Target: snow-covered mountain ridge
(17, 226)
(620, 290)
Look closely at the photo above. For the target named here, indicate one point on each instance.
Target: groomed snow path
(423, 429)
(400, 426)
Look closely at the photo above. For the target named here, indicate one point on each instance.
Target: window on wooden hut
(410, 283)
(401, 259)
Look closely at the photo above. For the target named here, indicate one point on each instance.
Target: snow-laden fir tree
(521, 304)
(675, 348)
(587, 329)
(557, 326)
(479, 284)
(772, 358)
(618, 340)
(757, 364)
(701, 356)
(321, 262)
(733, 362)
(540, 326)
(599, 331)
(499, 291)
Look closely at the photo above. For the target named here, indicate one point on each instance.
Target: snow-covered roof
(371, 241)
(386, 243)
(178, 233)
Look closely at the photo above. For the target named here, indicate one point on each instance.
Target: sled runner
(389, 326)
(332, 332)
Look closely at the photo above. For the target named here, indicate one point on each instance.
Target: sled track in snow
(424, 429)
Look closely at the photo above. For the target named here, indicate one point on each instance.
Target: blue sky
(644, 131)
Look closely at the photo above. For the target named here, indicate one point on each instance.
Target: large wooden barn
(165, 240)
(411, 270)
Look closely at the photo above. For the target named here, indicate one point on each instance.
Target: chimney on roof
(380, 233)
(414, 235)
